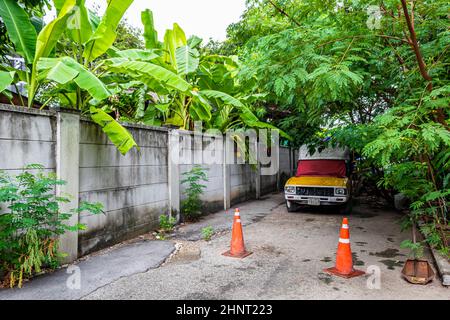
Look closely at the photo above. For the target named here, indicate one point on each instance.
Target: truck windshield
(330, 168)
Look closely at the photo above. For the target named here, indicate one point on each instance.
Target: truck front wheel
(346, 209)
(291, 206)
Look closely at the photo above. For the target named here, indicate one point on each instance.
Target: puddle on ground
(326, 259)
(356, 261)
(258, 217)
(325, 278)
(388, 253)
(391, 264)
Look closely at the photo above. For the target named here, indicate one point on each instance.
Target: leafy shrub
(191, 206)
(166, 223)
(31, 224)
(207, 233)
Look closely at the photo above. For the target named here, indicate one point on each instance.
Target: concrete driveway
(290, 250)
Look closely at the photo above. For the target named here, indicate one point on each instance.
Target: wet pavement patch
(325, 278)
(388, 253)
(326, 259)
(366, 215)
(356, 261)
(258, 218)
(272, 250)
(391, 264)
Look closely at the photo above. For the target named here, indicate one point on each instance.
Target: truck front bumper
(319, 199)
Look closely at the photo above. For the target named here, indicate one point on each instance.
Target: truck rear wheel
(291, 206)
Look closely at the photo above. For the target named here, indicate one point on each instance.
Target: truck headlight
(289, 189)
(340, 191)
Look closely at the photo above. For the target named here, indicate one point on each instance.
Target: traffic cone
(237, 249)
(344, 260)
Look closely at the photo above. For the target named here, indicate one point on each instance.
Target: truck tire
(346, 209)
(291, 206)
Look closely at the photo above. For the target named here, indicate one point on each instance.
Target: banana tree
(75, 81)
(188, 86)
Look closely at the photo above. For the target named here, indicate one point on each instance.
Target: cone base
(335, 272)
(240, 256)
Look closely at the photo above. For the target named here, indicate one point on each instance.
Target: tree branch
(415, 45)
(284, 13)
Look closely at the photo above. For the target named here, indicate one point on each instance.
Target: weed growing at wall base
(31, 222)
(192, 205)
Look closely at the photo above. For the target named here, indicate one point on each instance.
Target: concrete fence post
(173, 166)
(278, 169)
(226, 166)
(67, 169)
(258, 173)
(290, 161)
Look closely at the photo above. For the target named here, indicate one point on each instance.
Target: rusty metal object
(418, 271)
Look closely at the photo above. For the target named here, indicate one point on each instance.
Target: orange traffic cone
(344, 260)
(237, 249)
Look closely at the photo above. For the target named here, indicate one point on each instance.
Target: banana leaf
(187, 60)
(150, 33)
(20, 29)
(141, 69)
(118, 135)
(65, 69)
(105, 34)
(6, 78)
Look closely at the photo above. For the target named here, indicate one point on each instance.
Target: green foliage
(34, 9)
(75, 81)
(32, 223)
(166, 223)
(21, 31)
(207, 233)
(376, 90)
(191, 207)
(416, 248)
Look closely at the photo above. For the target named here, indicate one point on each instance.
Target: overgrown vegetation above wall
(76, 61)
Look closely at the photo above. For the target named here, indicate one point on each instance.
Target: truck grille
(315, 191)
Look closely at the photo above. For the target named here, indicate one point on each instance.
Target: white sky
(204, 18)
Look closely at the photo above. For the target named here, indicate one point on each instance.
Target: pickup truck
(321, 179)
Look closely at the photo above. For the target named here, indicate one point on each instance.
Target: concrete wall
(26, 137)
(134, 189)
(213, 196)
(242, 183)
